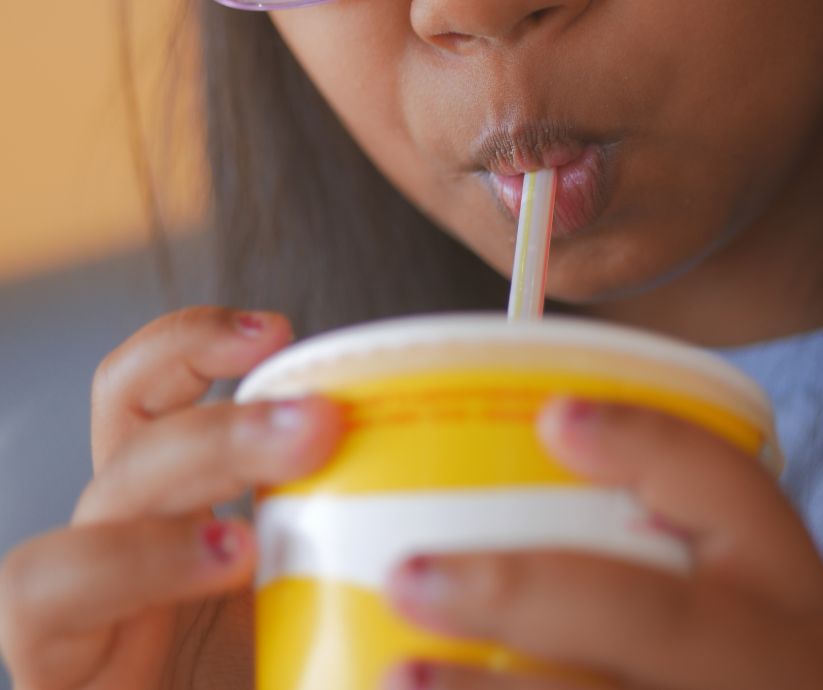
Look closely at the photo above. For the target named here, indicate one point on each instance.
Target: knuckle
(177, 324)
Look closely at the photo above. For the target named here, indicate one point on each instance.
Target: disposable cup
(441, 456)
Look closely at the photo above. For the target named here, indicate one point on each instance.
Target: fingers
(206, 455)
(171, 363)
(511, 598)
(77, 581)
(647, 628)
(699, 483)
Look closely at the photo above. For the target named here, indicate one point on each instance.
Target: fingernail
(288, 417)
(414, 676)
(663, 524)
(221, 540)
(283, 423)
(568, 416)
(421, 582)
(249, 324)
(579, 413)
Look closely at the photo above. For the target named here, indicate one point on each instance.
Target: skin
(714, 112)
(144, 588)
(738, 620)
(137, 593)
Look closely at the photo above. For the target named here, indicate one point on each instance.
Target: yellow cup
(442, 457)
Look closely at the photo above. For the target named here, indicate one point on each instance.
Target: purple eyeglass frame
(264, 5)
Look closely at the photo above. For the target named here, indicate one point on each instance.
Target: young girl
(689, 139)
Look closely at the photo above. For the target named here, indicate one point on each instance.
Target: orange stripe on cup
(456, 429)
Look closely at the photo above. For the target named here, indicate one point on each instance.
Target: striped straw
(531, 257)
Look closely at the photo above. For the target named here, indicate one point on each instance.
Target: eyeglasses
(264, 5)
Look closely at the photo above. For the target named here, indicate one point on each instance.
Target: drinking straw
(531, 256)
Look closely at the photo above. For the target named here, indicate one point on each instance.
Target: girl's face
(675, 125)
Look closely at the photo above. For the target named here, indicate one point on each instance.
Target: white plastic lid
(357, 351)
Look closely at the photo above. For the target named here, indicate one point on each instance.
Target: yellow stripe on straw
(533, 240)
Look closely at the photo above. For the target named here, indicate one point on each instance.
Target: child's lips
(579, 191)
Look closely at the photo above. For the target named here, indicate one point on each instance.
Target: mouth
(503, 157)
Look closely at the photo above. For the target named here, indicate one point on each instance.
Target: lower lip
(579, 192)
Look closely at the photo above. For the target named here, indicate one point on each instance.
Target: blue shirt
(791, 372)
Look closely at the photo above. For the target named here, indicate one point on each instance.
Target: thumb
(694, 481)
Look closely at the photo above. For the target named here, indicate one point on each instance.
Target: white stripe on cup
(359, 539)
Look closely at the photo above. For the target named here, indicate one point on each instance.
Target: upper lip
(521, 148)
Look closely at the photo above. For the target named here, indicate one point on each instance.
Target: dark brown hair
(304, 222)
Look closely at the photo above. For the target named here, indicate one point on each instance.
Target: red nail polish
(420, 676)
(419, 567)
(422, 584)
(580, 412)
(415, 675)
(249, 324)
(221, 541)
(663, 524)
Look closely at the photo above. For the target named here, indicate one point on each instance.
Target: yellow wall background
(68, 187)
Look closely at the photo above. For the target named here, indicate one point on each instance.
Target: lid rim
(399, 333)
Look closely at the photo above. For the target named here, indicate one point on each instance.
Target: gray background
(54, 331)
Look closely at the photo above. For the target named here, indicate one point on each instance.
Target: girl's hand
(132, 594)
(749, 616)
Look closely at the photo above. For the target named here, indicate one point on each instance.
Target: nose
(450, 24)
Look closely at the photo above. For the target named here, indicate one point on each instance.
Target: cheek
(715, 151)
(339, 50)
(355, 54)
(747, 99)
